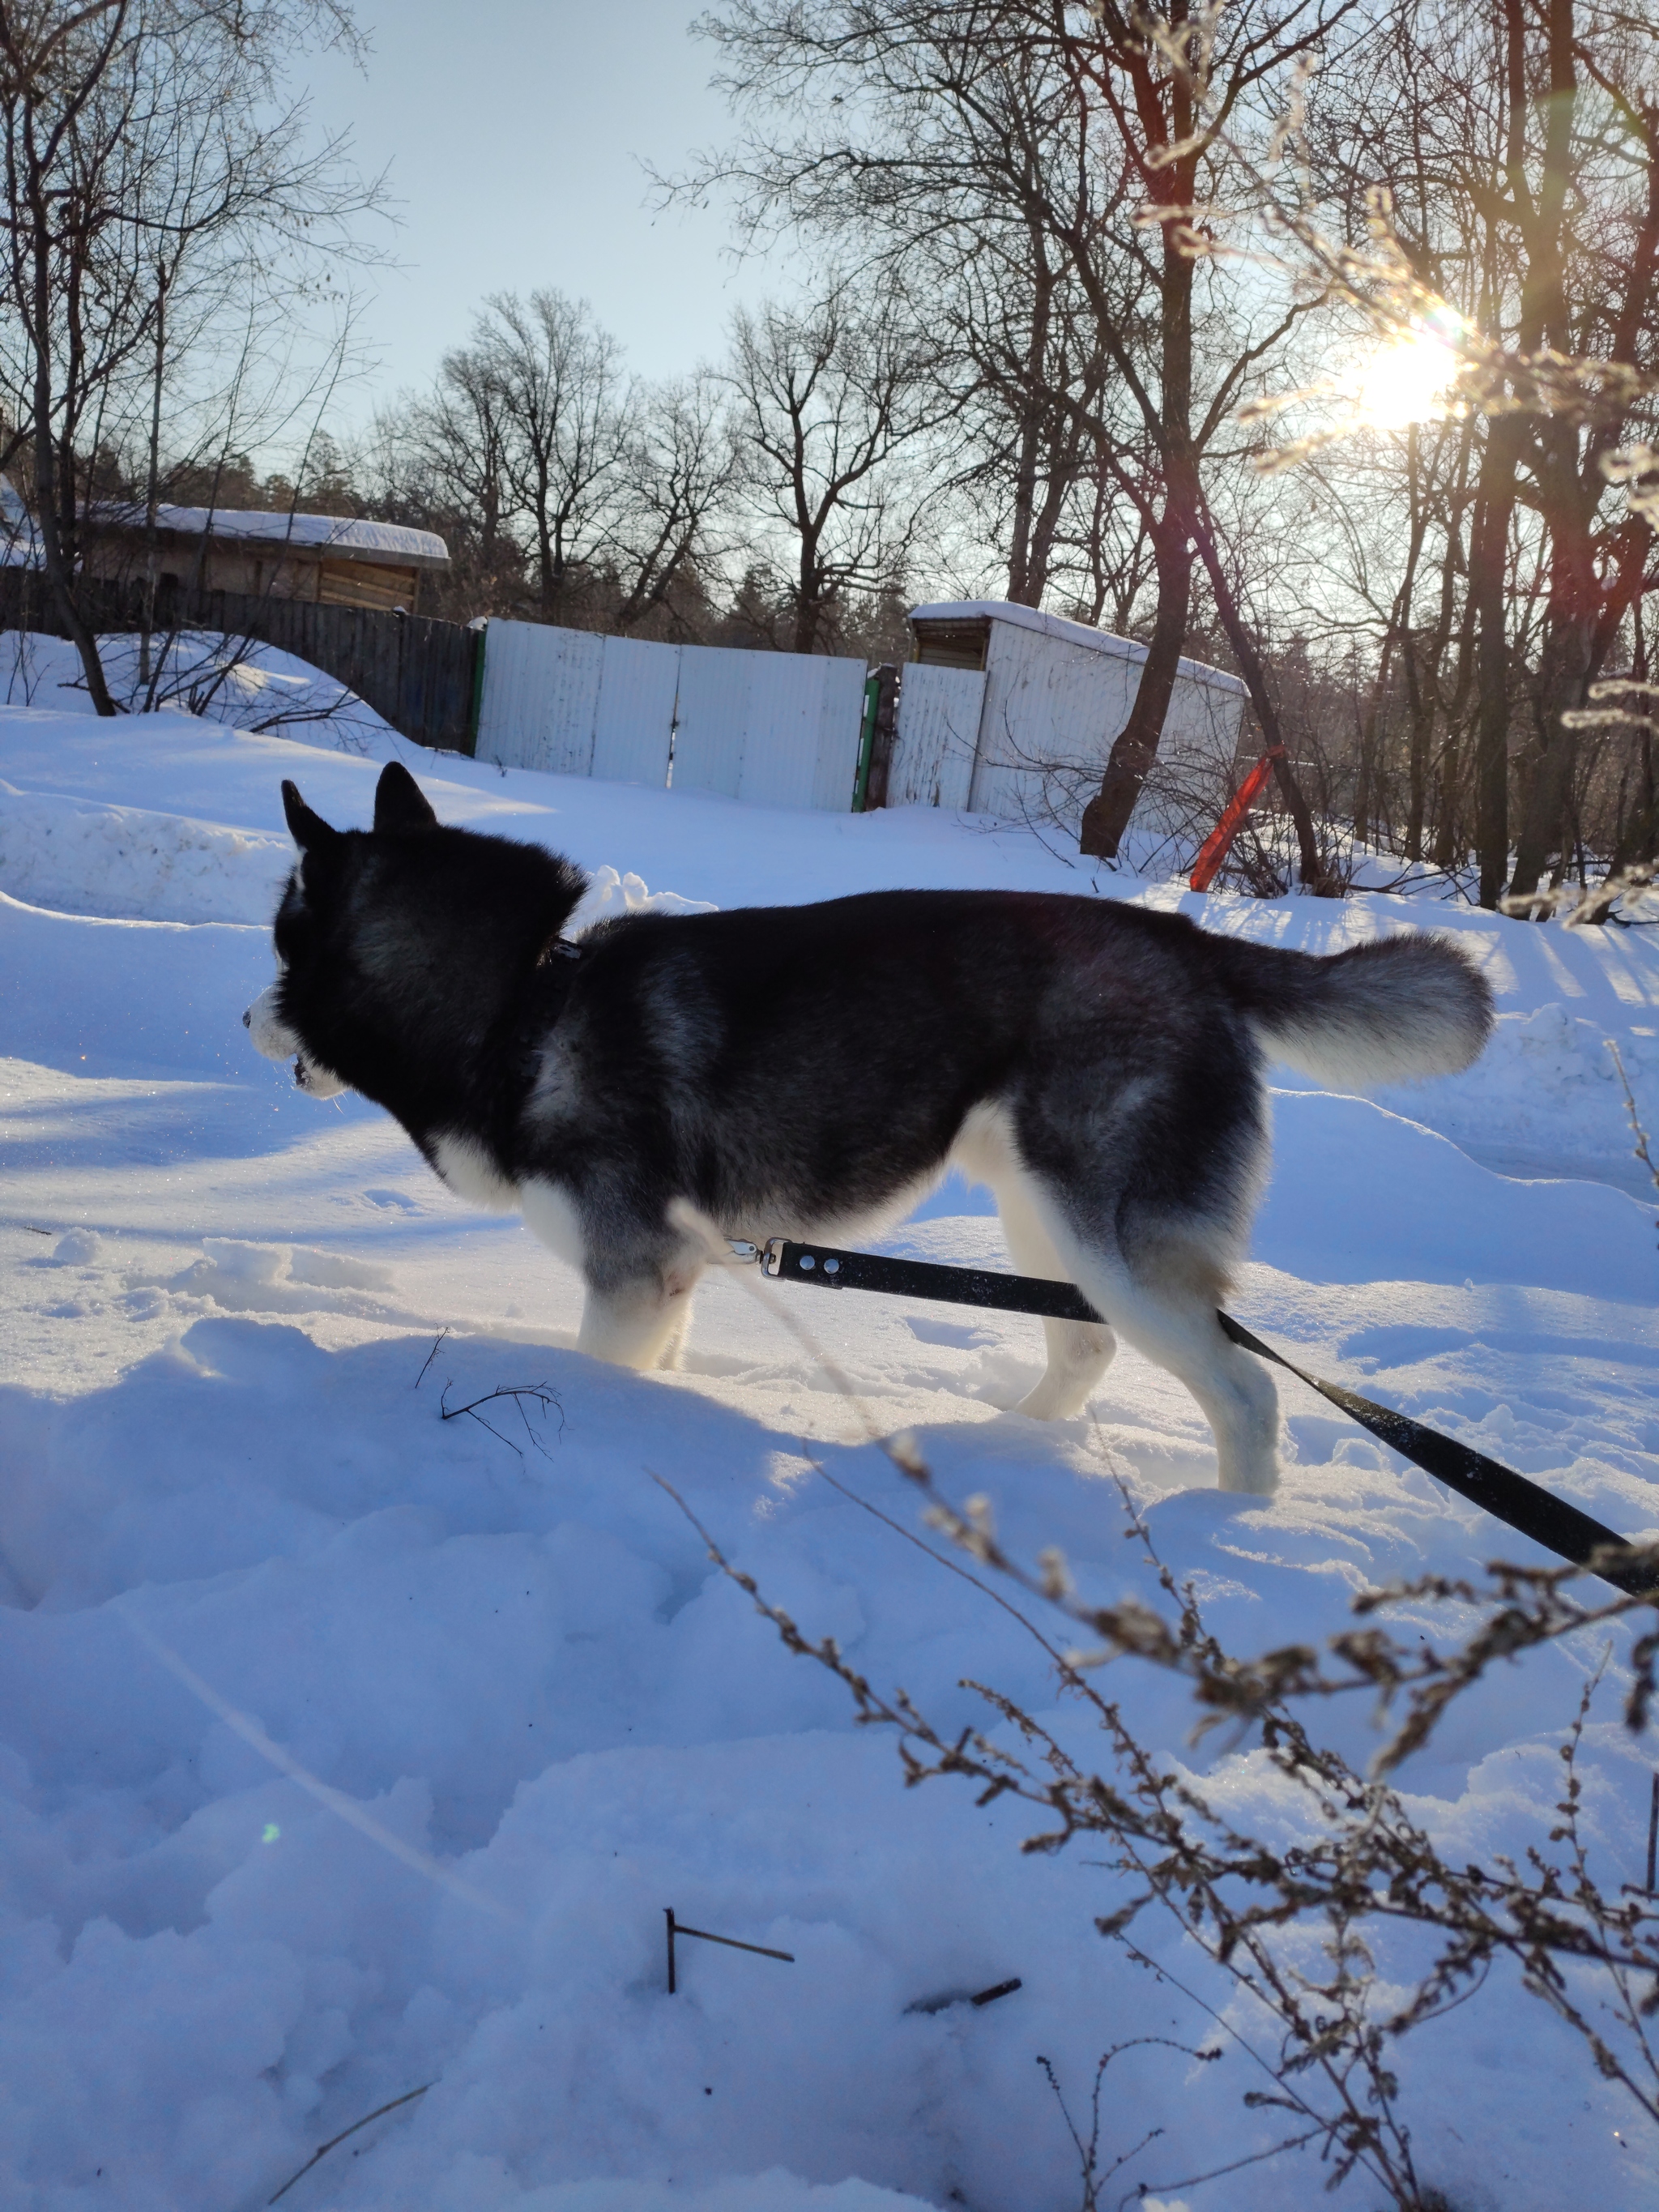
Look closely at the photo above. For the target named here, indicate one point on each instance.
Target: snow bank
(252, 1581)
(243, 683)
(80, 858)
(1547, 1087)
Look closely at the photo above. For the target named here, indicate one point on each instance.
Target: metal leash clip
(769, 1258)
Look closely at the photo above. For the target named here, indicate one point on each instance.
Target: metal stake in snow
(678, 1928)
(1219, 842)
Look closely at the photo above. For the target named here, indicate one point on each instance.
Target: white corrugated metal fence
(1022, 737)
(779, 729)
(1025, 735)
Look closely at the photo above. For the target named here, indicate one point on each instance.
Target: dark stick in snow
(323, 2149)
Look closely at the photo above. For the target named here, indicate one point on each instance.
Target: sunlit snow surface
(234, 1524)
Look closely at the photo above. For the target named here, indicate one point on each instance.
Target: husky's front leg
(672, 1355)
(639, 1273)
(641, 1321)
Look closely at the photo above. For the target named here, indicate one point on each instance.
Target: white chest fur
(470, 1173)
(548, 1211)
(550, 1215)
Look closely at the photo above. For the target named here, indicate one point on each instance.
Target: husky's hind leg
(1161, 1297)
(1164, 1301)
(1144, 1139)
(1080, 1352)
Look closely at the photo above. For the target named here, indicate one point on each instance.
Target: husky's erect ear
(400, 803)
(309, 831)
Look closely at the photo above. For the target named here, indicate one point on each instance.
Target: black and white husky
(810, 1071)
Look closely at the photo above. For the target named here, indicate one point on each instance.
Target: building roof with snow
(341, 537)
(957, 627)
(337, 560)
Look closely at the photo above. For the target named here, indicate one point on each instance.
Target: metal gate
(776, 729)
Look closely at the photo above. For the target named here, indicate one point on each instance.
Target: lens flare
(1407, 381)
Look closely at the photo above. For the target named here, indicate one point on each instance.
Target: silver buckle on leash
(744, 1253)
(767, 1257)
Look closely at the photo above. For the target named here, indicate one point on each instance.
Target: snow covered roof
(343, 536)
(1069, 633)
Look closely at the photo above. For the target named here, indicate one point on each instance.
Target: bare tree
(1496, 185)
(831, 401)
(924, 116)
(162, 196)
(566, 489)
(568, 419)
(939, 197)
(439, 459)
(678, 476)
(1601, 299)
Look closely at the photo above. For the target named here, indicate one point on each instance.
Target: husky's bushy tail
(1406, 1007)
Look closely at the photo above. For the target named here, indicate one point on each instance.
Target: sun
(1408, 380)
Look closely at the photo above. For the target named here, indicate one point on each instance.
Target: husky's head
(401, 948)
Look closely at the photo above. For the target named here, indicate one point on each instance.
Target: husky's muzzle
(273, 1038)
(271, 1034)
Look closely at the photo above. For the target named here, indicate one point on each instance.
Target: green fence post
(481, 634)
(866, 742)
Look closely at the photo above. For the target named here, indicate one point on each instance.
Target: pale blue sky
(512, 130)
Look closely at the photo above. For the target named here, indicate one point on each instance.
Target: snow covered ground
(345, 1750)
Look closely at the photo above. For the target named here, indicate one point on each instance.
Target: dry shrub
(1364, 1864)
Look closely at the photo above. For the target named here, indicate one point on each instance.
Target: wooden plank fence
(419, 674)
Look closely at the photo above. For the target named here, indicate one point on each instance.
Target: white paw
(1054, 1402)
(1260, 1480)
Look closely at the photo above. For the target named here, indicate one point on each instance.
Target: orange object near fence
(1217, 846)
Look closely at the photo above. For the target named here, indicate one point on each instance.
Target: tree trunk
(1488, 577)
(57, 557)
(1025, 576)
(1106, 817)
(1567, 664)
(548, 563)
(153, 488)
(1593, 588)
(1421, 710)
(1639, 841)
(809, 598)
(1045, 523)
(1364, 799)
(1638, 834)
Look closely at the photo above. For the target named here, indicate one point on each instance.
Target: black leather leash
(1498, 1490)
